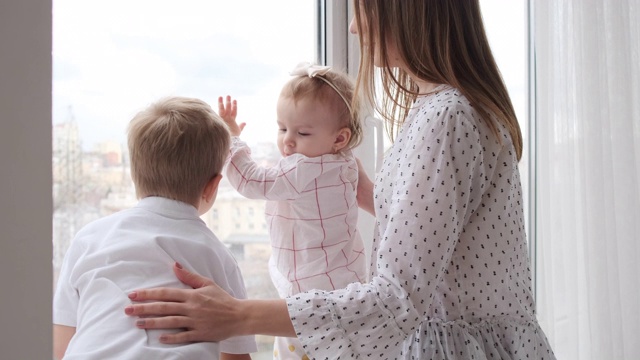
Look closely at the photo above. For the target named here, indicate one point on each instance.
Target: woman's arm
(365, 190)
(207, 312)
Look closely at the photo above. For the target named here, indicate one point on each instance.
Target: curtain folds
(587, 205)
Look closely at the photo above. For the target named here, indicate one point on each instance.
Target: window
(23, 127)
(108, 64)
(506, 27)
(129, 59)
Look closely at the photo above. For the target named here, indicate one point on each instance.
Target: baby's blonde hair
(338, 97)
(176, 146)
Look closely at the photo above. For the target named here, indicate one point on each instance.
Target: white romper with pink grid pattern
(312, 214)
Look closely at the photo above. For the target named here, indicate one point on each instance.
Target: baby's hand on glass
(228, 110)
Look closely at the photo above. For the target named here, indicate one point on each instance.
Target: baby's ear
(342, 139)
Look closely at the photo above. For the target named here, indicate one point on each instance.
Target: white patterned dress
(450, 268)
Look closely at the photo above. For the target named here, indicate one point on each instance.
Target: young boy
(178, 147)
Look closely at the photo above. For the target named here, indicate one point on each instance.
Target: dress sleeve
(284, 181)
(439, 173)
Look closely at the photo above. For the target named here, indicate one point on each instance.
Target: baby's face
(306, 127)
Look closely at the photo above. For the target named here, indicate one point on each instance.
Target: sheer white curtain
(587, 69)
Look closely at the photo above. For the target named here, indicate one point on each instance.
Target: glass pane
(113, 58)
(505, 24)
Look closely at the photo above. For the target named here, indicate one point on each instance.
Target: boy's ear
(342, 139)
(211, 189)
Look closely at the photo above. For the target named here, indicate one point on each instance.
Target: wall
(25, 183)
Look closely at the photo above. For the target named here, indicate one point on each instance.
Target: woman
(450, 270)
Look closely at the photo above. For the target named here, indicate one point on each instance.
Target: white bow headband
(317, 71)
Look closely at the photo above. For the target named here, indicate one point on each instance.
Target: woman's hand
(206, 313)
(228, 111)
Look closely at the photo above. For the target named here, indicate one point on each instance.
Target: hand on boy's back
(228, 110)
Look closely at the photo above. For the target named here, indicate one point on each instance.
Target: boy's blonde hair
(176, 146)
(337, 96)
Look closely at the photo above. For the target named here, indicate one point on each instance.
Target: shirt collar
(168, 207)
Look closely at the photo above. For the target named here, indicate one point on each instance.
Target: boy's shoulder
(169, 228)
(114, 215)
(103, 222)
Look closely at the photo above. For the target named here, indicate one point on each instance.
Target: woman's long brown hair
(441, 42)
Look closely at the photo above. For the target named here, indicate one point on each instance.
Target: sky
(113, 58)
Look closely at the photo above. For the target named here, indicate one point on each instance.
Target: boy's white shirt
(134, 249)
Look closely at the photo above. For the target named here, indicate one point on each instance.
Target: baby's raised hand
(228, 111)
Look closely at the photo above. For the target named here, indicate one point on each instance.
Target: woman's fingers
(192, 279)
(167, 322)
(161, 294)
(189, 335)
(182, 338)
(204, 313)
(171, 294)
(156, 309)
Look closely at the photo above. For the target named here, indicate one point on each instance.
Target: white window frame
(340, 49)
